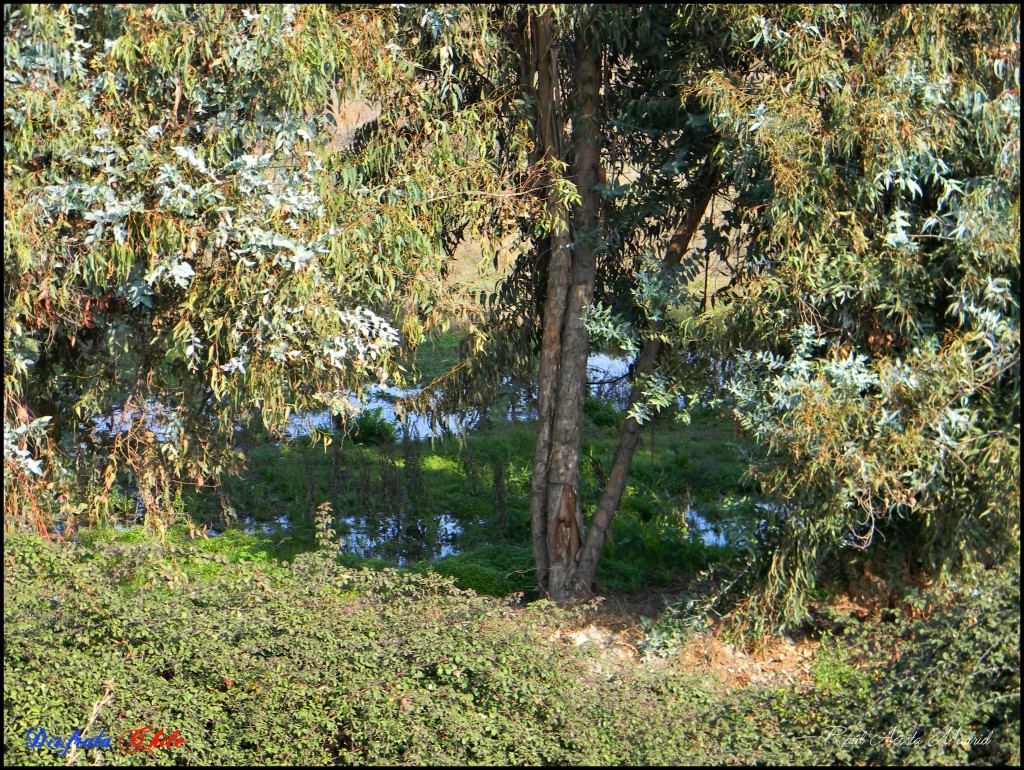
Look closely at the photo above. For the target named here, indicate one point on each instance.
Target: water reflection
(266, 527)
(405, 539)
(606, 378)
(710, 533)
(388, 536)
(376, 397)
(733, 523)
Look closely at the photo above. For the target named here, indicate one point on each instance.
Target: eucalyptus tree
(182, 231)
(877, 319)
(871, 161)
(182, 228)
(646, 178)
(620, 170)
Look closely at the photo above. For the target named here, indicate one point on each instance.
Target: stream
(606, 376)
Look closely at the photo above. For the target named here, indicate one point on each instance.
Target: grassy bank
(482, 484)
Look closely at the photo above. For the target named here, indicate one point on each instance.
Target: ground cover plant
(256, 660)
(306, 662)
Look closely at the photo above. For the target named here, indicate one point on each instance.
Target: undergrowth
(306, 662)
(933, 680)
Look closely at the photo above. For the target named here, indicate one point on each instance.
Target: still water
(403, 538)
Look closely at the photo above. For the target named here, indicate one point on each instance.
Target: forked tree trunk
(565, 555)
(549, 136)
(611, 498)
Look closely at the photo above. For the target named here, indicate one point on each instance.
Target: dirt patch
(613, 646)
(782, 661)
(612, 629)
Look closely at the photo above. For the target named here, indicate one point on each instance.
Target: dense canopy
(230, 214)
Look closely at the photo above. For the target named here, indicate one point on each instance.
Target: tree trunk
(612, 495)
(556, 517)
(558, 272)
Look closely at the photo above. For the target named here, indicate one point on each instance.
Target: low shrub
(371, 427)
(935, 681)
(601, 412)
(312, 662)
(307, 663)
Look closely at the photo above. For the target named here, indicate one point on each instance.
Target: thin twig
(97, 707)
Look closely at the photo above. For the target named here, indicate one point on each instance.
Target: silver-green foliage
(181, 224)
(879, 316)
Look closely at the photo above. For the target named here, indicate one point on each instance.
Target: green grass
(365, 475)
(494, 570)
(676, 466)
(435, 356)
(186, 558)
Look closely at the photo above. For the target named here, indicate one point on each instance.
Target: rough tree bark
(545, 55)
(565, 555)
(556, 516)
